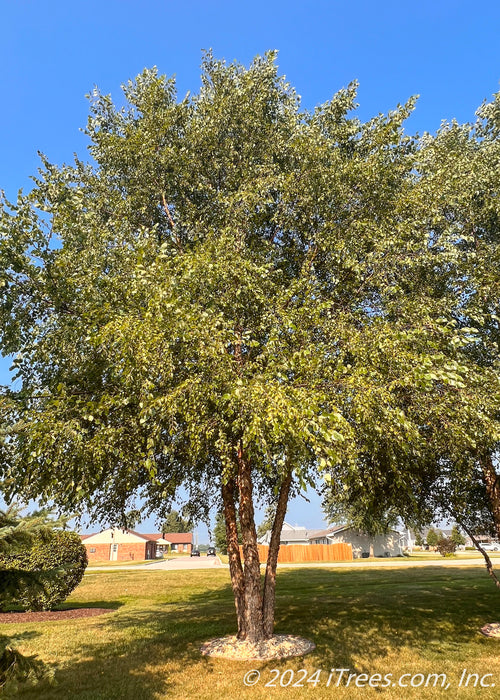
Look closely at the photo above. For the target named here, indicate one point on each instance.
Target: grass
(459, 554)
(398, 621)
(128, 562)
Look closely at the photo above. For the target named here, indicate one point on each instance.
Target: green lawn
(131, 562)
(398, 621)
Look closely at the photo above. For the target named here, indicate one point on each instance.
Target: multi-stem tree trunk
(254, 603)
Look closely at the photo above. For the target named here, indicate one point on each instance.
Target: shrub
(59, 558)
(17, 533)
(446, 546)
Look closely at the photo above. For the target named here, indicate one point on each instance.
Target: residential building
(363, 545)
(119, 544)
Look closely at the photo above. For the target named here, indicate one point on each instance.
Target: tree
(418, 539)
(453, 471)
(468, 205)
(238, 303)
(219, 533)
(432, 537)
(267, 524)
(456, 536)
(175, 523)
(132, 519)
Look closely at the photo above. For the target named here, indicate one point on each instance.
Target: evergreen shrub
(59, 558)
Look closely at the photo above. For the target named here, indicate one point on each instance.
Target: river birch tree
(230, 297)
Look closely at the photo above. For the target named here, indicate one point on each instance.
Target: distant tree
(267, 524)
(132, 519)
(418, 539)
(432, 537)
(456, 536)
(219, 533)
(174, 522)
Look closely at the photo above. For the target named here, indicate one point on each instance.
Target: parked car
(195, 552)
(211, 552)
(490, 546)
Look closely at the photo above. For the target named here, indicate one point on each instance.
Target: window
(92, 550)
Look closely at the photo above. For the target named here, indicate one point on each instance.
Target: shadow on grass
(111, 604)
(357, 617)
(353, 616)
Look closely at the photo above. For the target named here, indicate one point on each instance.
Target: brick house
(117, 544)
(176, 541)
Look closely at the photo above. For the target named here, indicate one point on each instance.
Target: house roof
(314, 534)
(291, 532)
(113, 535)
(172, 537)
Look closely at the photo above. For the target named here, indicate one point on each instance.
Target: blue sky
(52, 53)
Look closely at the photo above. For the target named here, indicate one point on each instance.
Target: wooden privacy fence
(296, 553)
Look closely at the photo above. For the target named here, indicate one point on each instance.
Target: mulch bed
(491, 630)
(280, 646)
(50, 615)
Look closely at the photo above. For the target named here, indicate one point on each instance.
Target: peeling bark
(253, 596)
(233, 550)
(269, 597)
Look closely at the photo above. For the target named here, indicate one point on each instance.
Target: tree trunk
(269, 597)
(254, 629)
(492, 483)
(487, 560)
(254, 605)
(233, 550)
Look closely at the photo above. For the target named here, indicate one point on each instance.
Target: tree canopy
(456, 473)
(235, 296)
